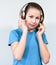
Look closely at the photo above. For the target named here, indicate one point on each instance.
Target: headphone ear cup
(42, 16)
(41, 19)
(22, 14)
(22, 11)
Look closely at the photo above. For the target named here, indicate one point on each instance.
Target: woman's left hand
(41, 29)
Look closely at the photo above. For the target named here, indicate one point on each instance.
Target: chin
(31, 27)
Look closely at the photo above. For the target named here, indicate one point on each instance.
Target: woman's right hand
(22, 24)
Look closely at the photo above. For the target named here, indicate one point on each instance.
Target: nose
(34, 20)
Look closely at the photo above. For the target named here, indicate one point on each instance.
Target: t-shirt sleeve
(44, 38)
(13, 37)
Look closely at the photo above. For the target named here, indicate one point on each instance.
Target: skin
(32, 19)
(29, 24)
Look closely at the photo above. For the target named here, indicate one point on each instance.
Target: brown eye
(37, 18)
(31, 16)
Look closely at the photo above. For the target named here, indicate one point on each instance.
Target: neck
(30, 30)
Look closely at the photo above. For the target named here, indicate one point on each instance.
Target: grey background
(9, 11)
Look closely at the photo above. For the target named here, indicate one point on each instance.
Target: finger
(19, 22)
(20, 19)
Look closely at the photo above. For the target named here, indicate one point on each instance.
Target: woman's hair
(29, 5)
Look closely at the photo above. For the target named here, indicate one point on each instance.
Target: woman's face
(32, 18)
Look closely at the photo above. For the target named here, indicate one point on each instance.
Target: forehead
(33, 11)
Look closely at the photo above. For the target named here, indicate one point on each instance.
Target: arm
(45, 55)
(19, 47)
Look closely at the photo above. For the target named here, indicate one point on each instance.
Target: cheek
(28, 20)
(37, 21)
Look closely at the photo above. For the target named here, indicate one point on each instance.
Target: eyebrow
(33, 15)
(38, 17)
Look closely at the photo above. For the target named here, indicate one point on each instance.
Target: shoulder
(15, 35)
(44, 38)
(44, 35)
(16, 31)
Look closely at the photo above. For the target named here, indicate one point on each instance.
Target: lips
(32, 24)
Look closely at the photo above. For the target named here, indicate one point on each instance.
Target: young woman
(28, 42)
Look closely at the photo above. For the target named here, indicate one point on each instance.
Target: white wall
(9, 11)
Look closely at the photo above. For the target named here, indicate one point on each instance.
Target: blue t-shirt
(31, 54)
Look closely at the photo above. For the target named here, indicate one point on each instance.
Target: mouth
(33, 24)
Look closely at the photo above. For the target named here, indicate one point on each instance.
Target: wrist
(39, 36)
(25, 31)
